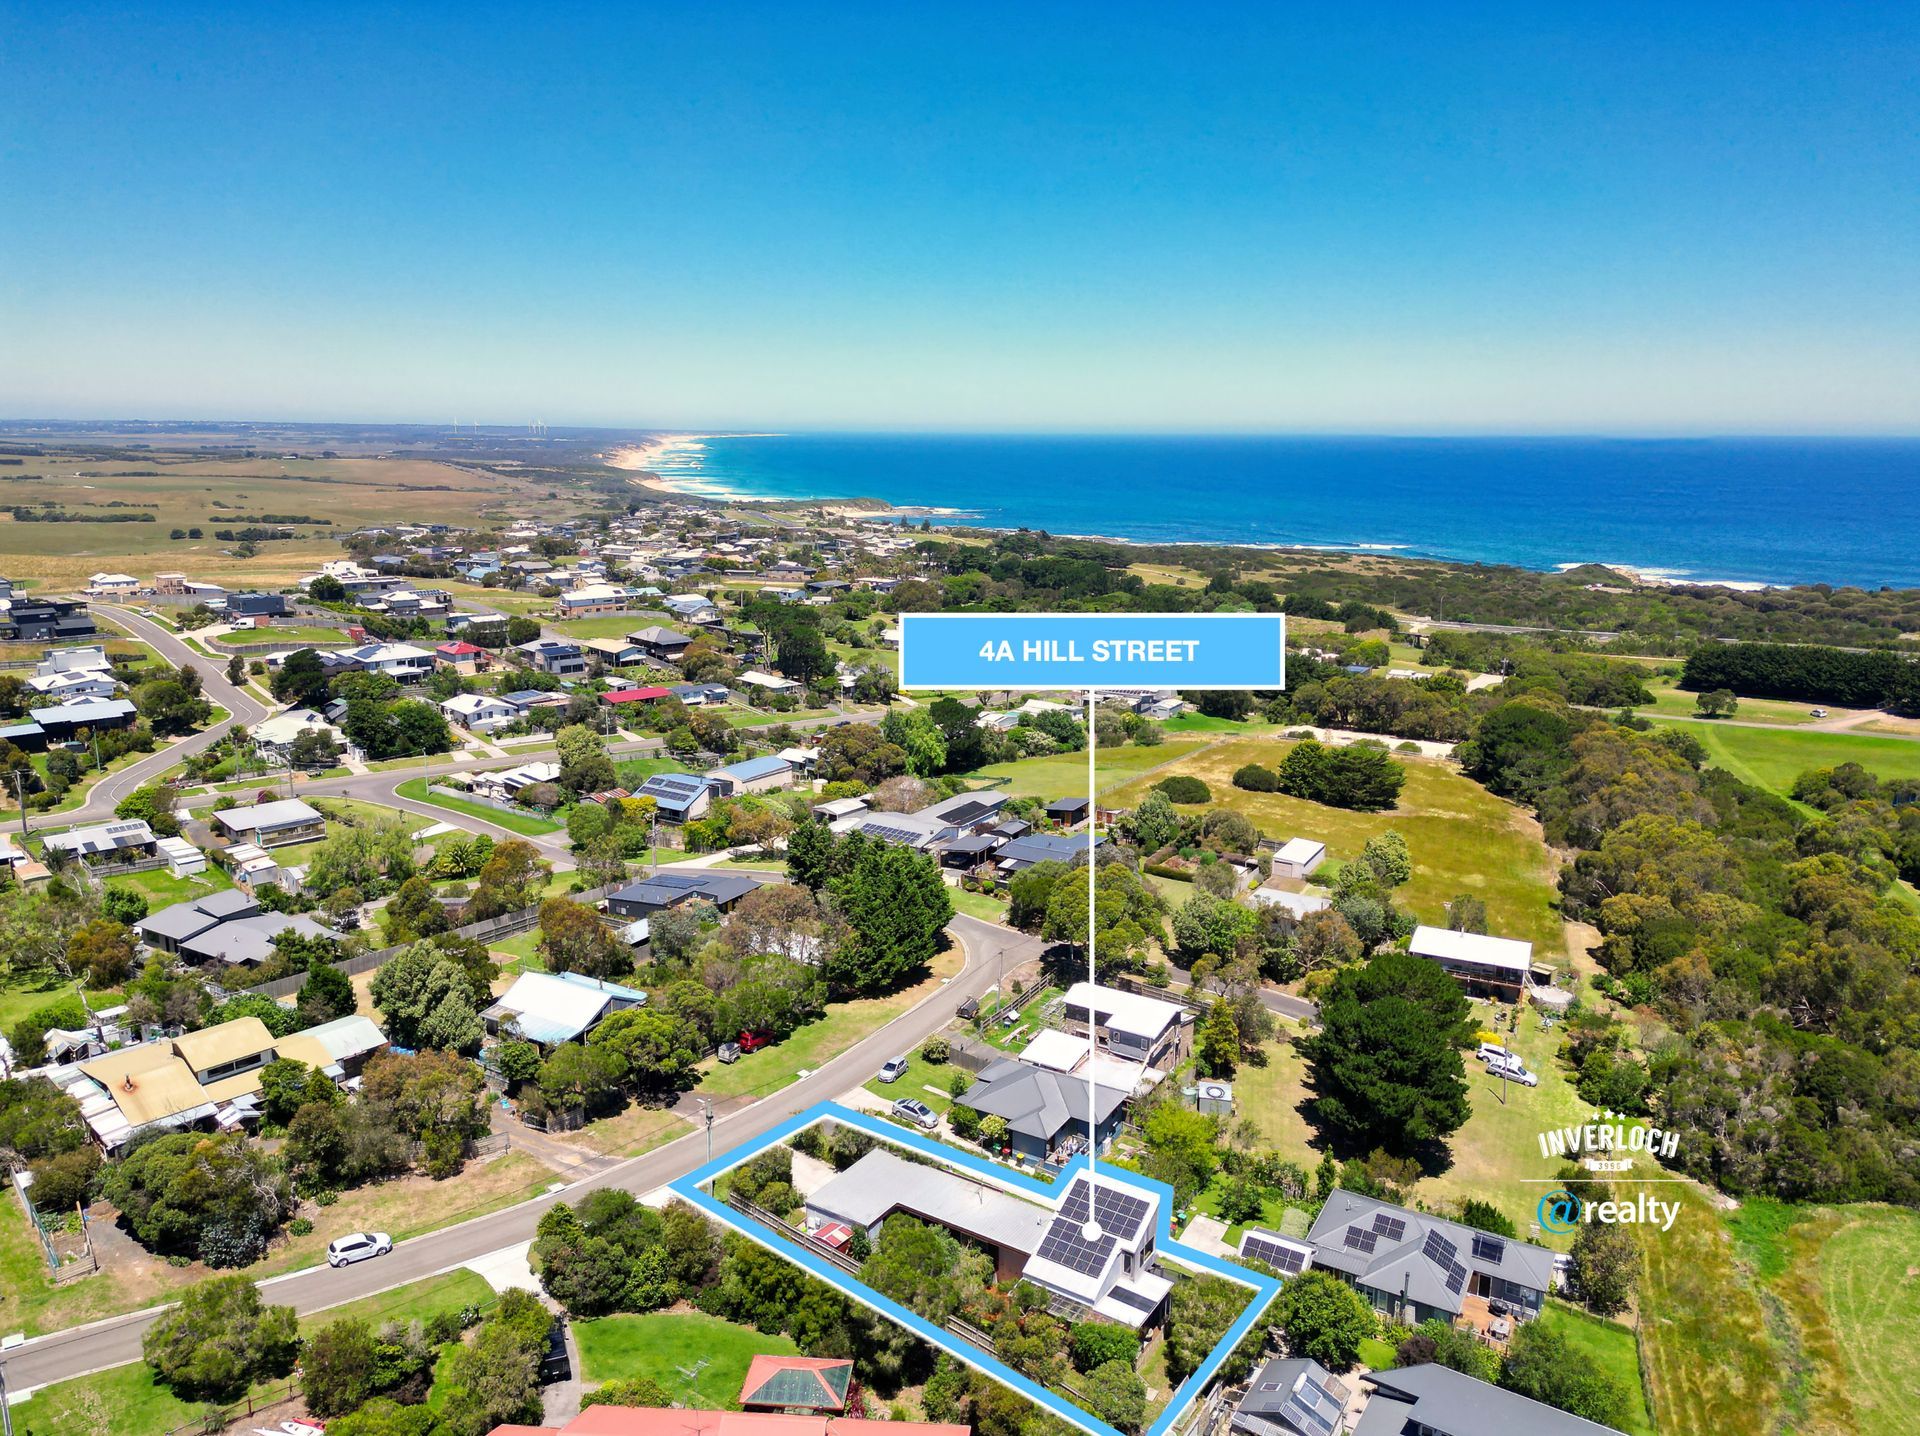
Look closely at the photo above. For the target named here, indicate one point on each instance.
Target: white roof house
(554, 1007)
(280, 730)
(1297, 857)
(479, 710)
(754, 678)
(101, 838)
(881, 1183)
(1142, 1017)
(1447, 947)
(265, 821)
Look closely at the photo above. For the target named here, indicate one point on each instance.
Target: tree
(1324, 1318)
(1031, 890)
(1205, 925)
(287, 1085)
(1184, 788)
(657, 1049)
(1717, 703)
(219, 1340)
(214, 1197)
(373, 857)
(312, 749)
(104, 950)
(301, 681)
(325, 995)
(917, 1264)
(896, 908)
(170, 708)
(1605, 1266)
(1183, 1149)
(495, 1379)
(1358, 776)
(1116, 1394)
(1095, 1343)
(1486, 1217)
(573, 939)
(1439, 1343)
(578, 1076)
(810, 855)
(38, 1119)
(1198, 1315)
(584, 764)
(1543, 1364)
(383, 1416)
(414, 912)
(427, 1000)
(1467, 913)
(1386, 1065)
(1218, 1051)
(152, 805)
(1154, 824)
(512, 880)
(338, 1367)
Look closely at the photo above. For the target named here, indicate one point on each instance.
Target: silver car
(893, 1069)
(916, 1112)
(345, 1251)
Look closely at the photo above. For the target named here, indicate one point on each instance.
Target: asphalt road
(115, 1341)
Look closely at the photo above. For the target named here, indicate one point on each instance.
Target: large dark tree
(1385, 1066)
(895, 907)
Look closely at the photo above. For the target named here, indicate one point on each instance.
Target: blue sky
(980, 217)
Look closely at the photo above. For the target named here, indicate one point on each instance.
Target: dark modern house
(34, 620)
(1045, 1111)
(665, 890)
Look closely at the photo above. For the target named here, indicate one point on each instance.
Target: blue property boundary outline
(1263, 1288)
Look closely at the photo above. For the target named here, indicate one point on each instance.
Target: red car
(753, 1041)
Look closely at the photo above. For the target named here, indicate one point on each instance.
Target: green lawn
(292, 633)
(756, 718)
(1672, 702)
(417, 1301)
(23, 992)
(161, 888)
(658, 1345)
(1376, 1355)
(126, 1401)
(1463, 839)
(1201, 723)
(611, 625)
(1773, 758)
(1613, 1349)
(818, 1042)
(528, 823)
(980, 905)
(635, 771)
(1870, 1271)
(1065, 774)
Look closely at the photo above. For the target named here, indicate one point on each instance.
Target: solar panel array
(1439, 1250)
(1489, 1248)
(1311, 1411)
(1283, 1257)
(1362, 1239)
(892, 835)
(1392, 1228)
(1119, 1214)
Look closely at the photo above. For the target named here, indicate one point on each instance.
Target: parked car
(969, 1009)
(916, 1112)
(893, 1069)
(729, 1052)
(344, 1251)
(1514, 1071)
(753, 1041)
(1494, 1052)
(1817, 713)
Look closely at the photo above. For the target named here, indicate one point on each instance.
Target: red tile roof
(817, 1382)
(461, 650)
(633, 695)
(665, 1421)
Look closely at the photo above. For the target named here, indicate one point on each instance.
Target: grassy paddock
(1463, 839)
(1063, 775)
(1773, 758)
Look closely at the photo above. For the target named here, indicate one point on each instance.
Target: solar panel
(1392, 1228)
(892, 835)
(1489, 1248)
(1361, 1239)
(1439, 1250)
(1304, 1416)
(1456, 1278)
(1288, 1260)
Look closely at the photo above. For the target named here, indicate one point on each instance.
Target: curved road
(115, 1341)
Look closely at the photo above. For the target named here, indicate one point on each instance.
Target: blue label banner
(1093, 650)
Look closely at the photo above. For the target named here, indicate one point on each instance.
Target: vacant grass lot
(660, 1344)
(1065, 774)
(1612, 1346)
(1773, 758)
(1869, 1268)
(609, 625)
(1672, 702)
(1464, 840)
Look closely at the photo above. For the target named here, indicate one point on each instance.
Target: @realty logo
(1559, 1212)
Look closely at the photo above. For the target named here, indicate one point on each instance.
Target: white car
(344, 1251)
(1494, 1052)
(1513, 1070)
(893, 1069)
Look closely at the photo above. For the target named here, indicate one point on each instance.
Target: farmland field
(1463, 839)
(208, 493)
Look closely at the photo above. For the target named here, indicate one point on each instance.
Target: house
(664, 890)
(623, 697)
(679, 797)
(938, 823)
(72, 674)
(1046, 1112)
(42, 620)
(459, 656)
(62, 722)
(480, 712)
(550, 1008)
(525, 698)
(124, 841)
(592, 600)
(797, 1385)
(248, 941)
(1436, 1400)
(1297, 858)
(505, 783)
(1022, 853)
(553, 655)
(692, 608)
(998, 722)
(770, 683)
(183, 858)
(1130, 1026)
(109, 585)
(255, 605)
(1299, 904)
(837, 810)
(673, 1421)
(1293, 1396)
(208, 1078)
(274, 737)
(751, 775)
(1069, 812)
(1111, 1274)
(658, 642)
(1413, 1265)
(615, 652)
(401, 661)
(1486, 966)
(251, 867)
(701, 695)
(166, 929)
(882, 1183)
(272, 825)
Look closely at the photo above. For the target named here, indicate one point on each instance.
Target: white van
(1494, 1052)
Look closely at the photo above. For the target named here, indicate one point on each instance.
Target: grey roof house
(1436, 1400)
(1044, 1109)
(1292, 1396)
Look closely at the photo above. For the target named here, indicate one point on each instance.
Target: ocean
(1742, 511)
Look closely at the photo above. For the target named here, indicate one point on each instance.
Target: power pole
(706, 1112)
